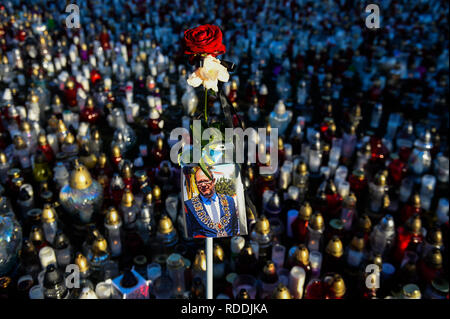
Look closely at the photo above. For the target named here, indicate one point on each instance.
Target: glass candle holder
(106, 290)
(36, 292)
(406, 189)
(297, 281)
(278, 254)
(315, 259)
(246, 282)
(344, 188)
(340, 174)
(47, 257)
(175, 269)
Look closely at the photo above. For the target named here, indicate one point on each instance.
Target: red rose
(204, 39)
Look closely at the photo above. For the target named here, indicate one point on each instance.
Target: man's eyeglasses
(204, 183)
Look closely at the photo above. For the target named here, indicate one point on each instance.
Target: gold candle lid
(200, 261)
(338, 286)
(126, 170)
(36, 234)
(357, 243)
(82, 262)
(116, 151)
(34, 98)
(302, 168)
(70, 139)
(219, 254)
(159, 143)
(301, 254)
(269, 269)
(96, 134)
(48, 214)
(61, 126)
(377, 259)
(90, 102)
(386, 201)
(57, 99)
(102, 160)
(434, 258)
(334, 247)
(25, 126)
(18, 181)
(112, 217)
(411, 291)
(380, 179)
(317, 222)
(262, 225)
(156, 192)
(416, 200)
(350, 200)
(42, 139)
(414, 224)
(149, 198)
(127, 198)
(305, 211)
(434, 237)
(280, 143)
(99, 245)
(80, 178)
(364, 223)
(165, 225)
(19, 142)
(247, 250)
(70, 84)
(3, 159)
(281, 292)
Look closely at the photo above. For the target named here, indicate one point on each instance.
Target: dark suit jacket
(200, 225)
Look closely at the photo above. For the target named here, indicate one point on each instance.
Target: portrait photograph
(213, 207)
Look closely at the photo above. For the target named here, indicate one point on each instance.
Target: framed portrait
(213, 207)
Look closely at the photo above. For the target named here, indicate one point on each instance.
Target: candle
(47, 256)
(291, 216)
(278, 252)
(344, 188)
(315, 259)
(297, 281)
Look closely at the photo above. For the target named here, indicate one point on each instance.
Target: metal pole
(209, 268)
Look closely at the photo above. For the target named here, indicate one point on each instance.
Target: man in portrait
(210, 214)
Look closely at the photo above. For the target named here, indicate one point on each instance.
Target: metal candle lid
(200, 261)
(335, 247)
(281, 292)
(165, 225)
(80, 178)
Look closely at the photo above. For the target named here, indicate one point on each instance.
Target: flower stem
(206, 105)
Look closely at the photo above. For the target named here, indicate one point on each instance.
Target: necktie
(215, 213)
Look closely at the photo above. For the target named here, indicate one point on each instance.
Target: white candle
(297, 281)
(47, 257)
(344, 188)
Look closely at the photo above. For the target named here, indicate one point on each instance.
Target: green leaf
(204, 169)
